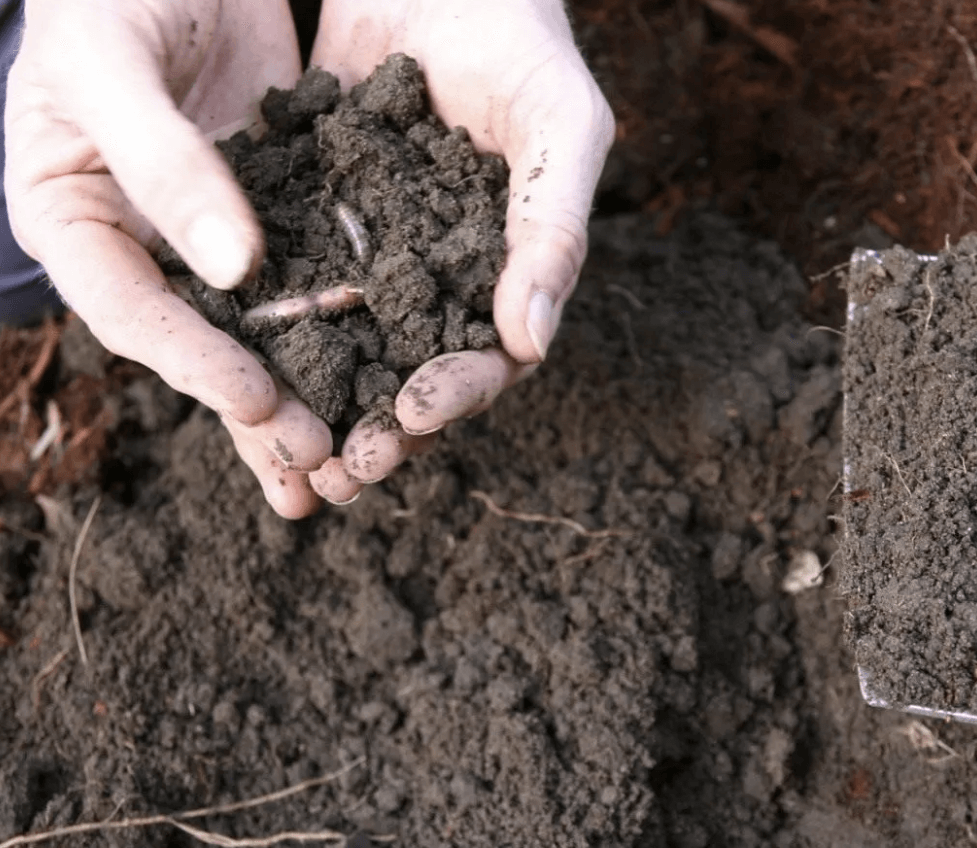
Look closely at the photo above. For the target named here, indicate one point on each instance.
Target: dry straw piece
(179, 820)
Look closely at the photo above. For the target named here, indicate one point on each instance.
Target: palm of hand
(93, 95)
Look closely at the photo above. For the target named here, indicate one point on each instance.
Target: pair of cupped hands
(112, 108)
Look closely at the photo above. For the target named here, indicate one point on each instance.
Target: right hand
(109, 107)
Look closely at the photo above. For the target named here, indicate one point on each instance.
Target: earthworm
(355, 231)
(336, 299)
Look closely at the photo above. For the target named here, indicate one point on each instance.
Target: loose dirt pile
(565, 626)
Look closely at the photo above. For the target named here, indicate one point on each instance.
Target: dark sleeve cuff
(30, 302)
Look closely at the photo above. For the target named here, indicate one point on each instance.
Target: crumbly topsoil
(432, 245)
(911, 444)
(509, 680)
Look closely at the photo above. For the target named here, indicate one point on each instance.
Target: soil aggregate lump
(372, 192)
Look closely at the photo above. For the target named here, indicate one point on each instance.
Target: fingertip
(332, 483)
(423, 431)
(249, 396)
(298, 437)
(539, 322)
(287, 492)
(223, 252)
(291, 496)
(372, 452)
(452, 386)
(539, 275)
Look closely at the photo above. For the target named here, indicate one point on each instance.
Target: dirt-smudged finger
(334, 484)
(121, 294)
(454, 385)
(372, 450)
(287, 492)
(294, 434)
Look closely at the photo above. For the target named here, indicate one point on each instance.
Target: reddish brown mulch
(869, 135)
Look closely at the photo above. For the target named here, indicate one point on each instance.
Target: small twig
(43, 675)
(963, 160)
(827, 565)
(209, 838)
(628, 295)
(838, 481)
(72, 570)
(6, 526)
(52, 432)
(85, 433)
(923, 739)
(631, 341)
(823, 328)
(928, 282)
(23, 387)
(464, 180)
(834, 269)
(203, 835)
(899, 472)
(589, 553)
(967, 51)
(536, 517)
(271, 797)
(738, 16)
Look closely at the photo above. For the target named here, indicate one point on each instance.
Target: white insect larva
(336, 299)
(356, 233)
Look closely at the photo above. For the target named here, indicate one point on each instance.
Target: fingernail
(428, 431)
(539, 323)
(346, 502)
(219, 253)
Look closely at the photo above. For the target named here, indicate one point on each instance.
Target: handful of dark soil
(385, 240)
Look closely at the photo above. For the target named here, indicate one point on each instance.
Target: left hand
(511, 74)
(110, 107)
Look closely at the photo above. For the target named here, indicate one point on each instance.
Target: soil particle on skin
(910, 509)
(508, 680)
(372, 192)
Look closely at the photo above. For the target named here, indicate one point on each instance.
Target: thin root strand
(179, 820)
(540, 518)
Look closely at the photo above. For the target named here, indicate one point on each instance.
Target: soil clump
(369, 194)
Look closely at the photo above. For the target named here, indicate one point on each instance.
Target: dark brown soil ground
(628, 671)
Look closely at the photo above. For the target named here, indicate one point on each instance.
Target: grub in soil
(911, 509)
(385, 239)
